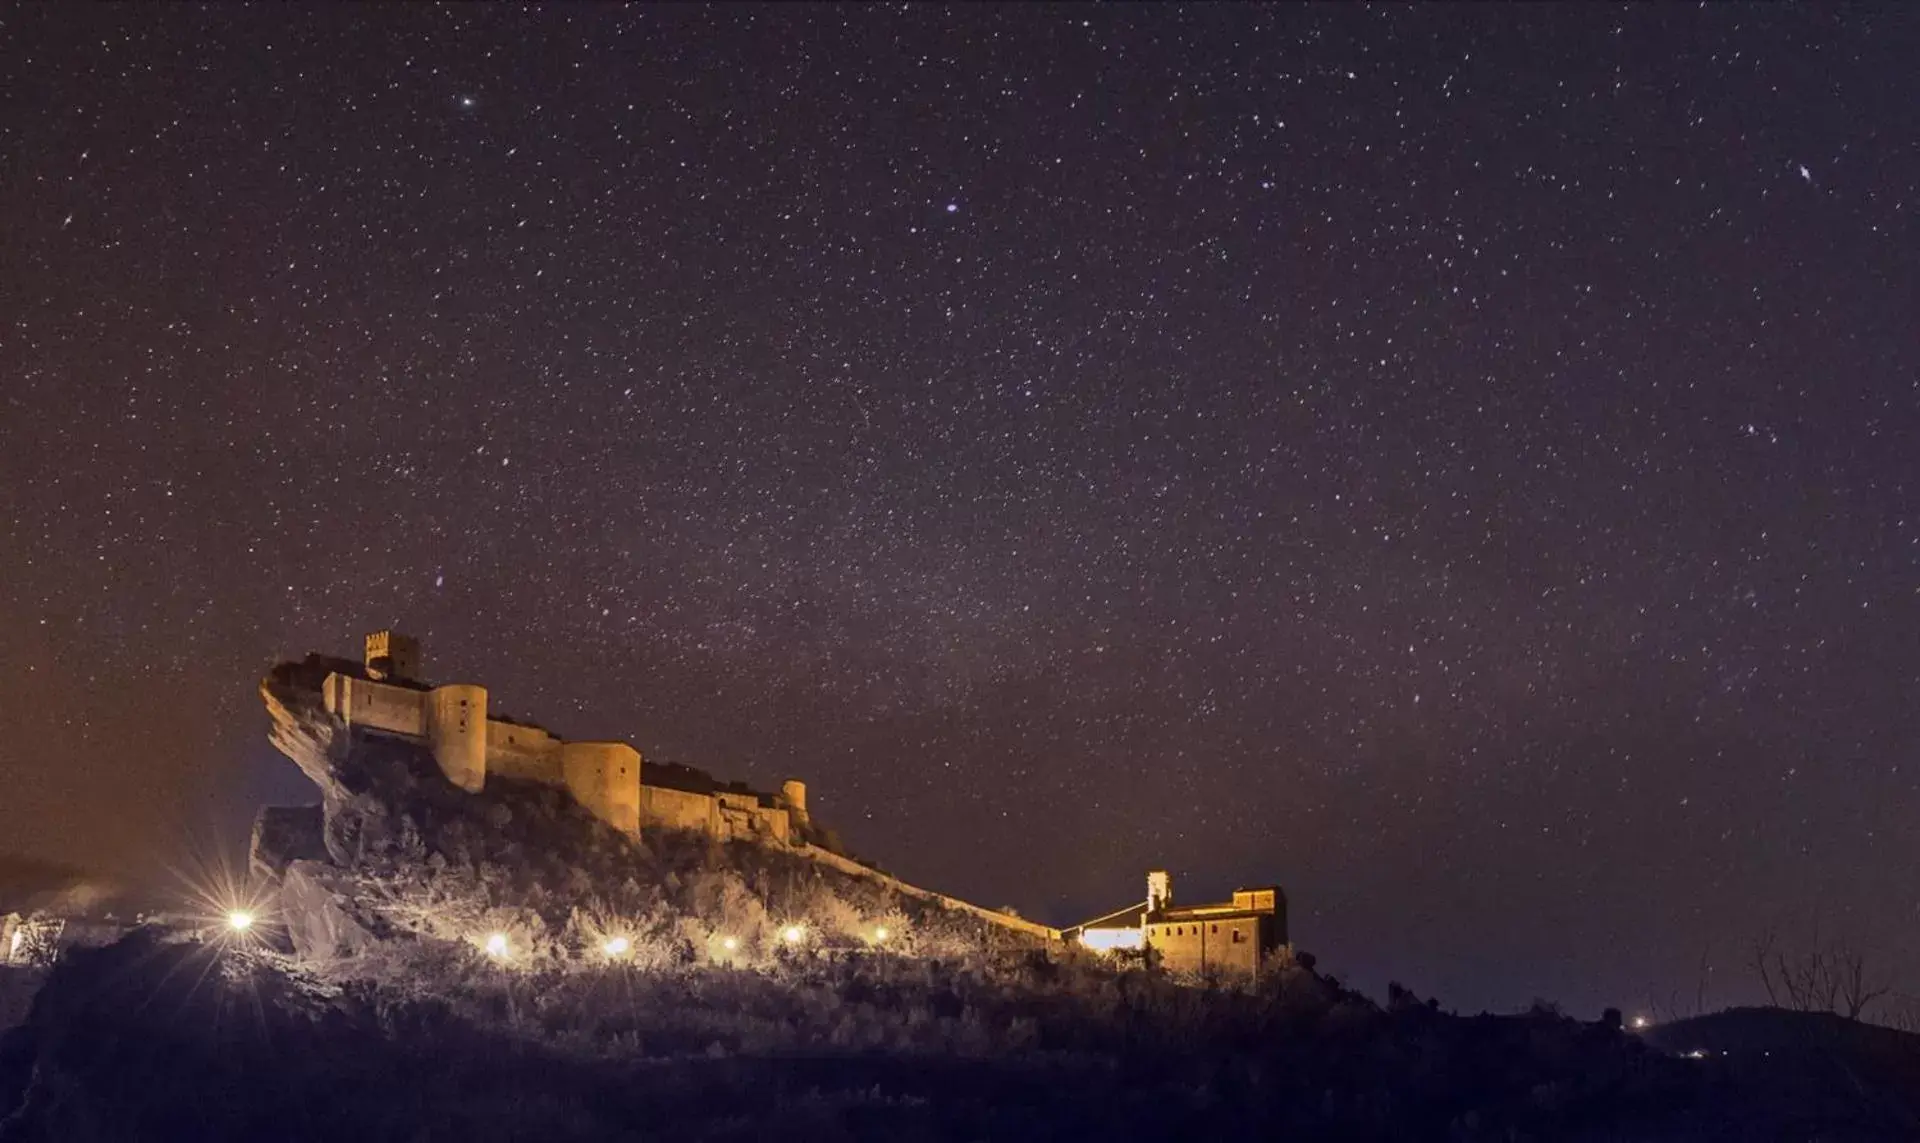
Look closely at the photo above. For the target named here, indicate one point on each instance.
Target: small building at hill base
(1235, 938)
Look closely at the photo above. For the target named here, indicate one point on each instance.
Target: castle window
(1239, 936)
(1216, 930)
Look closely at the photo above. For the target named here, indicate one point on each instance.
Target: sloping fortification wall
(1004, 920)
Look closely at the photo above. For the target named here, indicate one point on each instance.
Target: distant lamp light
(239, 920)
(793, 934)
(496, 945)
(731, 944)
(880, 934)
(616, 946)
(1641, 1022)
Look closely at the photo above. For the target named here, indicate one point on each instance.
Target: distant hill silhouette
(1805, 1061)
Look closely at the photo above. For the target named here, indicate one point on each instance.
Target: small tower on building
(392, 656)
(1159, 891)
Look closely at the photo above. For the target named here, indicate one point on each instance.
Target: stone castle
(384, 694)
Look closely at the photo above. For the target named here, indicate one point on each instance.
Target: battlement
(392, 656)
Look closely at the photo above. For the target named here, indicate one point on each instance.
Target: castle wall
(374, 706)
(677, 809)
(541, 766)
(742, 816)
(605, 778)
(525, 752)
(775, 823)
(457, 730)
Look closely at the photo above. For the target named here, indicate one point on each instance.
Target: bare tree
(1829, 977)
(1850, 977)
(1761, 955)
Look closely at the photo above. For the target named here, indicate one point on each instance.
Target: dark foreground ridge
(504, 965)
(159, 1037)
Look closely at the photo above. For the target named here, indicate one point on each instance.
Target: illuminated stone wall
(604, 777)
(525, 752)
(376, 706)
(457, 728)
(677, 809)
(1227, 945)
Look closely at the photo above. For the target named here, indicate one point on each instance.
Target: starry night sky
(1460, 463)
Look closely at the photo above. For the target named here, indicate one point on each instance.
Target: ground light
(793, 934)
(239, 920)
(616, 946)
(731, 944)
(496, 945)
(880, 934)
(1641, 1022)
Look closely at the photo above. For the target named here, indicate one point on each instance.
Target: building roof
(1132, 916)
(1204, 913)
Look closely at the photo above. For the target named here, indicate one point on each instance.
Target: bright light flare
(793, 934)
(731, 944)
(239, 920)
(1106, 940)
(1641, 1022)
(616, 946)
(496, 945)
(880, 934)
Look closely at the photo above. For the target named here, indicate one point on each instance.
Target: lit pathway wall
(1004, 920)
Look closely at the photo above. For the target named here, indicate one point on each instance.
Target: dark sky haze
(1461, 463)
